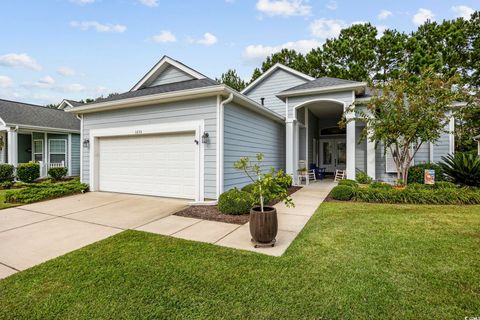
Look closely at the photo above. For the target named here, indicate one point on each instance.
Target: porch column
(370, 157)
(351, 143)
(289, 147)
(12, 146)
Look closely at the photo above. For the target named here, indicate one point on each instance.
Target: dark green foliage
(232, 79)
(380, 185)
(348, 182)
(6, 172)
(6, 184)
(419, 194)
(363, 178)
(284, 180)
(248, 188)
(235, 202)
(43, 191)
(462, 168)
(342, 192)
(57, 173)
(444, 185)
(416, 173)
(28, 172)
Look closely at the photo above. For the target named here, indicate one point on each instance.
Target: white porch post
(370, 157)
(351, 143)
(290, 130)
(12, 146)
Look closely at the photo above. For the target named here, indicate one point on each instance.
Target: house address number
(138, 131)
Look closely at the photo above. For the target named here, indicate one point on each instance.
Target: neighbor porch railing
(44, 166)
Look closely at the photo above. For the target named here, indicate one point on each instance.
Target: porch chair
(339, 175)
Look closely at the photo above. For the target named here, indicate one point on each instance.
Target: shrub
(6, 184)
(348, 182)
(248, 188)
(6, 172)
(283, 179)
(43, 191)
(419, 195)
(444, 185)
(380, 185)
(416, 173)
(462, 168)
(342, 192)
(28, 172)
(235, 202)
(57, 173)
(363, 178)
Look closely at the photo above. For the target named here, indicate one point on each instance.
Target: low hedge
(43, 191)
(235, 202)
(416, 173)
(6, 172)
(28, 172)
(348, 182)
(58, 173)
(343, 193)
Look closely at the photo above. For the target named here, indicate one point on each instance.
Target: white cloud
(463, 11)
(45, 82)
(19, 60)
(69, 88)
(384, 14)
(332, 5)
(82, 1)
(326, 28)
(66, 71)
(208, 39)
(259, 52)
(283, 7)
(5, 82)
(99, 27)
(422, 16)
(164, 37)
(149, 3)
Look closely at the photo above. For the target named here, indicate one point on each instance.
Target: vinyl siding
(342, 96)
(198, 109)
(269, 87)
(75, 154)
(245, 134)
(170, 75)
(423, 154)
(360, 151)
(441, 148)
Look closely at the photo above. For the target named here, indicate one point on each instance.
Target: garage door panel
(160, 165)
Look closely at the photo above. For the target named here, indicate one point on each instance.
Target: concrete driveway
(38, 232)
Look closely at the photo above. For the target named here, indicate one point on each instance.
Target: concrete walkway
(38, 232)
(290, 222)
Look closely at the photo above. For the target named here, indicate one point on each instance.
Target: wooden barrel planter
(263, 226)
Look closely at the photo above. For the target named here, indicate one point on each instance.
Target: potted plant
(263, 218)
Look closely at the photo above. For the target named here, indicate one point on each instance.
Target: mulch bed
(213, 214)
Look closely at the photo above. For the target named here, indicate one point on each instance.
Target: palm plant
(462, 168)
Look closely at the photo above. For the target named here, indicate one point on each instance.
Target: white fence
(44, 166)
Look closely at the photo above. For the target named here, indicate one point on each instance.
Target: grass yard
(3, 204)
(352, 261)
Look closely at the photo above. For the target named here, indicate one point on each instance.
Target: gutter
(49, 129)
(322, 90)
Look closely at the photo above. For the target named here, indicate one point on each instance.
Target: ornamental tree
(405, 113)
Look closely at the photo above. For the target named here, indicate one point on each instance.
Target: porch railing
(44, 166)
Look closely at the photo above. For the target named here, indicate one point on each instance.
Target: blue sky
(54, 49)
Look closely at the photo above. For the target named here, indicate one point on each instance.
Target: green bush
(6, 172)
(419, 194)
(6, 184)
(43, 191)
(342, 192)
(28, 172)
(348, 182)
(248, 188)
(235, 202)
(462, 168)
(444, 185)
(57, 173)
(380, 185)
(283, 179)
(363, 178)
(416, 173)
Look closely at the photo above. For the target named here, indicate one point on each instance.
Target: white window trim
(197, 126)
(50, 152)
(43, 149)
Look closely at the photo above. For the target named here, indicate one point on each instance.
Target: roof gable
(271, 71)
(166, 71)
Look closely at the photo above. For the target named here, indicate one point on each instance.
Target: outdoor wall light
(205, 137)
(86, 143)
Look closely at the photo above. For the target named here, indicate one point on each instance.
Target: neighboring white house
(177, 133)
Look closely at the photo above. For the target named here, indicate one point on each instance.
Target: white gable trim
(161, 64)
(64, 105)
(271, 70)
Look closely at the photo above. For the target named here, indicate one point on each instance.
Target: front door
(333, 154)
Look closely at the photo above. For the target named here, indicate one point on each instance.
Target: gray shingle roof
(18, 113)
(164, 88)
(74, 103)
(322, 83)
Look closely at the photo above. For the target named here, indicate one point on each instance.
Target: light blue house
(48, 136)
(177, 133)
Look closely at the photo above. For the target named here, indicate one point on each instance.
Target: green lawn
(352, 261)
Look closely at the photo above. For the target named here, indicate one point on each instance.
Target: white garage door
(157, 165)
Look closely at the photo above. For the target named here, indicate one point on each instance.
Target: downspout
(220, 132)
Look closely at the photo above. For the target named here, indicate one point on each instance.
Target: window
(57, 150)
(38, 150)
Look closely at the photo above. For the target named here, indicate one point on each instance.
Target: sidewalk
(290, 222)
